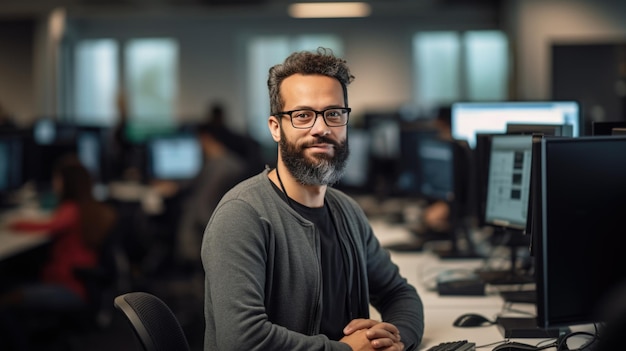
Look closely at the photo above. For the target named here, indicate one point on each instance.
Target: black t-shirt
(335, 309)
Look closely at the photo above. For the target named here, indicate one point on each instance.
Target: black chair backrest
(153, 322)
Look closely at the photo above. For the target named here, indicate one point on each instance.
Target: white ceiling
(382, 8)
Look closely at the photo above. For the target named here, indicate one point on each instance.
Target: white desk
(12, 243)
(421, 269)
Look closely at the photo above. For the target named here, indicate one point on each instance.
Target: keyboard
(459, 345)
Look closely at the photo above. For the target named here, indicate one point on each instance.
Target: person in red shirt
(78, 227)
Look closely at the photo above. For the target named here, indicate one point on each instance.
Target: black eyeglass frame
(317, 113)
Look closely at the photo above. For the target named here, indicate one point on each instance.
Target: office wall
(536, 24)
(213, 54)
(16, 67)
(212, 57)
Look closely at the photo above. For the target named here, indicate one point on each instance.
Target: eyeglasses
(305, 119)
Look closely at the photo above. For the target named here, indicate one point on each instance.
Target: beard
(318, 169)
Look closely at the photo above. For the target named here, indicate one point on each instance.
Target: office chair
(153, 322)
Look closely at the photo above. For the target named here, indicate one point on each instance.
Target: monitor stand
(460, 233)
(525, 327)
(512, 275)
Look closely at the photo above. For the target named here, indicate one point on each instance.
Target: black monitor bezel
(17, 159)
(544, 280)
(599, 128)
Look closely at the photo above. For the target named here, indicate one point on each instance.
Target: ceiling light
(329, 10)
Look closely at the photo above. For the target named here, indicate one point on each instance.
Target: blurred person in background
(436, 215)
(78, 227)
(222, 169)
(240, 143)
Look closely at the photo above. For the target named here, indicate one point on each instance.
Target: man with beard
(290, 262)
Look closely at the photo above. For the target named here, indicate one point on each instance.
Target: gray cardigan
(263, 278)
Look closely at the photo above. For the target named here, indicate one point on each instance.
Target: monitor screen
(508, 181)
(408, 181)
(44, 131)
(480, 161)
(579, 254)
(356, 176)
(90, 144)
(384, 130)
(174, 156)
(436, 164)
(11, 162)
(47, 131)
(470, 118)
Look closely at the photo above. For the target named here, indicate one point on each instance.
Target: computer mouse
(515, 346)
(472, 320)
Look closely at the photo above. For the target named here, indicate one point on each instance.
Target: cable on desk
(552, 343)
(562, 341)
(521, 346)
(428, 277)
(506, 307)
(491, 344)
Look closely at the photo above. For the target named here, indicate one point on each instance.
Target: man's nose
(319, 125)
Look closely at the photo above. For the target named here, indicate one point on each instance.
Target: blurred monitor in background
(176, 156)
(356, 179)
(471, 118)
(12, 177)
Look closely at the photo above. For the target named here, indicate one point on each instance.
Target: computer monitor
(579, 252)
(480, 160)
(409, 170)
(436, 159)
(564, 130)
(384, 130)
(384, 134)
(50, 140)
(506, 200)
(44, 131)
(47, 131)
(445, 176)
(605, 127)
(508, 181)
(470, 118)
(176, 156)
(11, 163)
(356, 177)
(92, 144)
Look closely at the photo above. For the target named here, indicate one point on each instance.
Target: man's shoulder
(254, 187)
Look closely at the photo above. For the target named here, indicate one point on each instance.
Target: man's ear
(274, 124)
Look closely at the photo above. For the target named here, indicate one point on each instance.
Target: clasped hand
(368, 334)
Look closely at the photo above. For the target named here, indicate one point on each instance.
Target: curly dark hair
(323, 62)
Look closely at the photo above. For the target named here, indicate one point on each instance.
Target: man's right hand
(377, 337)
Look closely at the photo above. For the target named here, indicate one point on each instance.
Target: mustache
(321, 140)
